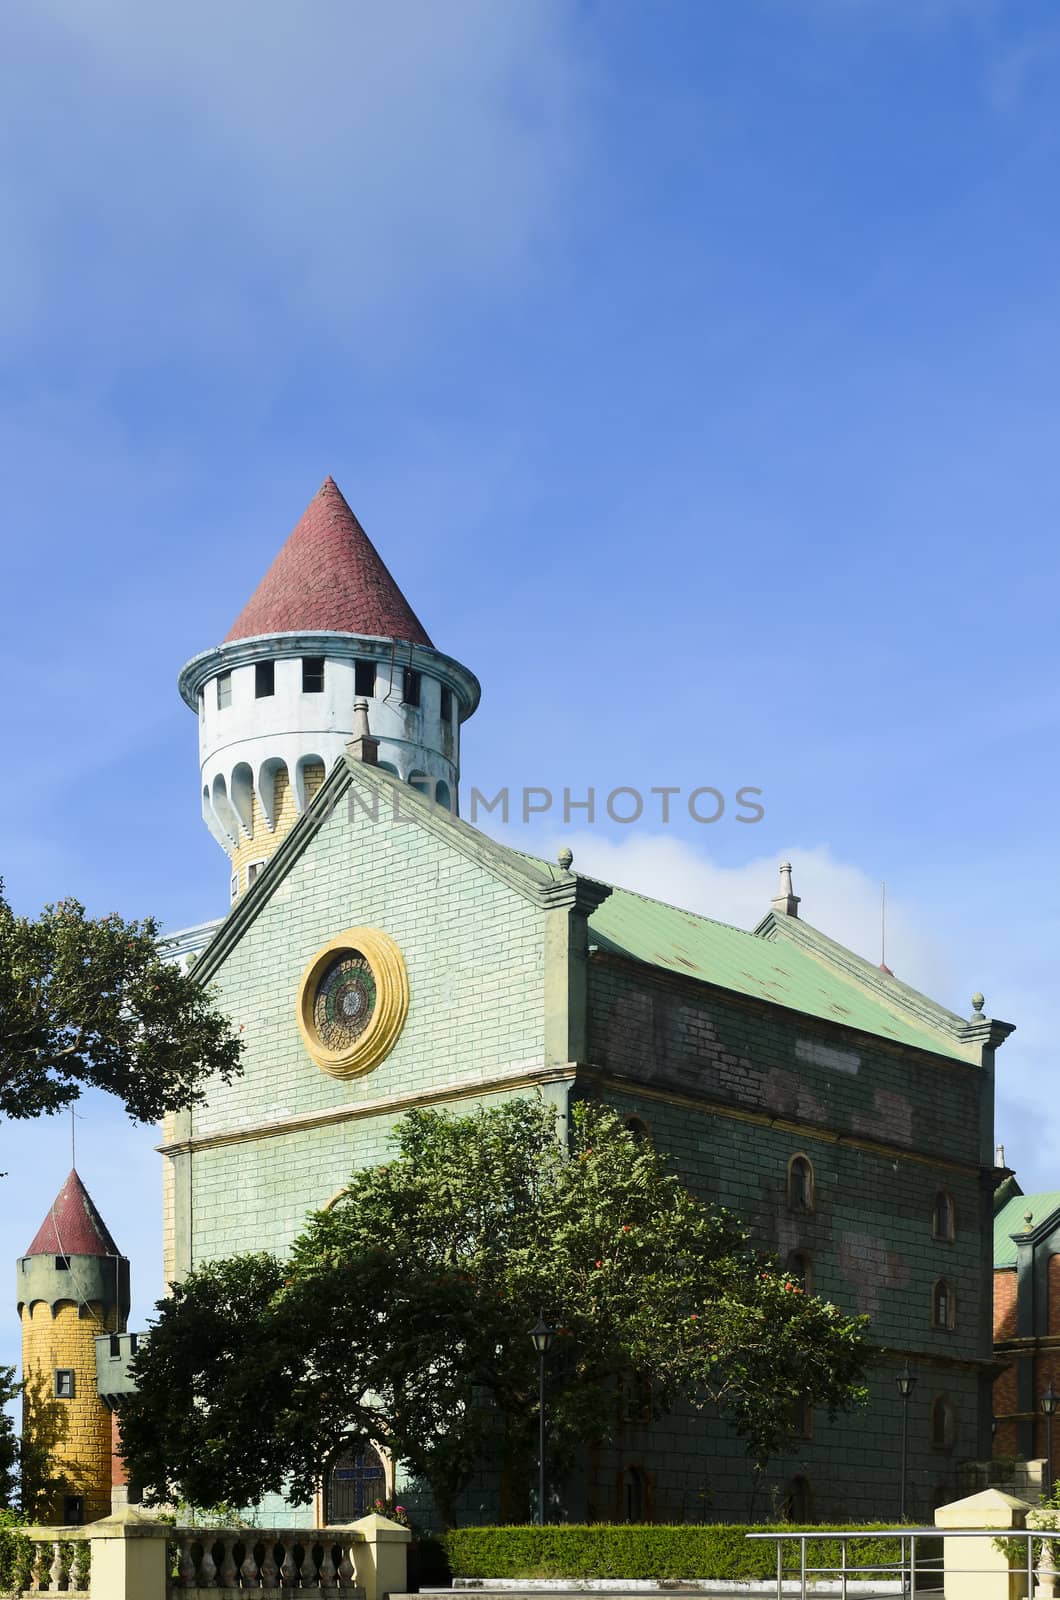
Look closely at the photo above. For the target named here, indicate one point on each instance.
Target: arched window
(633, 1487)
(942, 1423)
(943, 1305)
(800, 1183)
(799, 1268)
(801, 1414)
(943, 1217)
(637, 1128)
(354, 1479)
(796, 1504)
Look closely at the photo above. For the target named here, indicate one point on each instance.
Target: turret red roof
(329, 576)
(73, 1226)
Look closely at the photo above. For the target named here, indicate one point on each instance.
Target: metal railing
(912, 1569)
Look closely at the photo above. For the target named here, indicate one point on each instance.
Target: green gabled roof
(767, 969)
(1010, 1220)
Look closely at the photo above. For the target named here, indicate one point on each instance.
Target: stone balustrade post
(382, 1560)
(128, 1557)
(974, 1568)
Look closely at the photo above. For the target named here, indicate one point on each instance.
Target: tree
(91, 1001)
(9, 1391)
(402, 1317)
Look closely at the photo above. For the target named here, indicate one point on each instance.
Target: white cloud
(839, 899)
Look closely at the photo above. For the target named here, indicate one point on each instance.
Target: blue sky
(694, 367)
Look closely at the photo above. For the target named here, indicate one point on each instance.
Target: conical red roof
(329, 576)
(73, 1226)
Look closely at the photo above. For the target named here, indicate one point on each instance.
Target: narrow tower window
(264, 679)
(411, 696)
(64, 1383)
(943, 1305)
(800, 1184)
(799, 1269)
(364, 678)
(312, 674)
(62, 1263)
(943, 1218)
(224, 690)
(447, 704)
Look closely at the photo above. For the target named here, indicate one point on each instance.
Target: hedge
(16, 1554)
(682, 1550)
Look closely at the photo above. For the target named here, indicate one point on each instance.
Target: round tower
(73, 1285)
(326, 628)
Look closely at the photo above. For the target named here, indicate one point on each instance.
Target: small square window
(73, 1510)
(254, 871)
(264, 679)
(447, 704)
(224, 690)
(411, 696)
(364, 678)
(64, 1383)
(312, 674)
(62, 1263)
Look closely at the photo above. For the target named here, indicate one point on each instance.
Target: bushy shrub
(682, 1550)
(16, 1554)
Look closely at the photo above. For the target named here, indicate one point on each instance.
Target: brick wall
(474, 952)
(66, 1339)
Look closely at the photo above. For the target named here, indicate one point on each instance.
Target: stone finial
(1028, 1218)
(978, 1002)
(362, 746)
(999, 1155)
(786, 903)
(565, 857)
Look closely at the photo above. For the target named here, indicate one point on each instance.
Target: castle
(379, 953)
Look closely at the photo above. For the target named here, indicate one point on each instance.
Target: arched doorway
(355, 1479)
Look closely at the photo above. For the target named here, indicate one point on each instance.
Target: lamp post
(906, 1381)
(542, 1336)
(1048, 1403)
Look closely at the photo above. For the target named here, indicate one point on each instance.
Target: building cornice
(521, 1077)
(337, 647)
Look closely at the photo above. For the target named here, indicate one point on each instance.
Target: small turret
(73, 1284)
(326, 631)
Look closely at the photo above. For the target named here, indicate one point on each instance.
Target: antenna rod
(883, 924)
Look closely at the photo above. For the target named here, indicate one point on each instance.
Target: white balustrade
(306, 1561)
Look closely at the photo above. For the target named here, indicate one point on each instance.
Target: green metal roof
(767, 969)
(1010, 1220)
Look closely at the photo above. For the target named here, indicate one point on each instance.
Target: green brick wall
(474, 952)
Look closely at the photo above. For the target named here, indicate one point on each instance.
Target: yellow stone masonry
(264, 841)
(67, 1340)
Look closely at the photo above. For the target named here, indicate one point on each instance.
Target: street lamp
(906, 1381)
(1048, 1403)
(542, 1336)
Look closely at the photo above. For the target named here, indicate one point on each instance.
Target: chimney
(362, 746)
(786, 903)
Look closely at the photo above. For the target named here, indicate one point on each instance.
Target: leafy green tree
(91, 1001)
(402, 1317)
(10, 1390)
